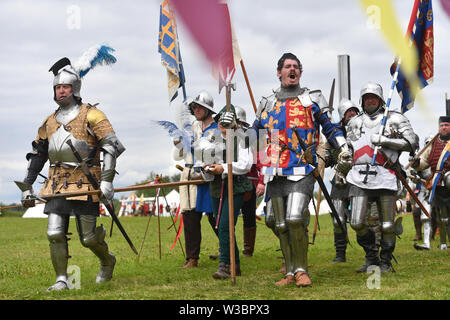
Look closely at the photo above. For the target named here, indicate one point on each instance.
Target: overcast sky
(35, 34)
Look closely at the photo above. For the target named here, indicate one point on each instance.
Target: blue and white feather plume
(94, 56)
(182, 130)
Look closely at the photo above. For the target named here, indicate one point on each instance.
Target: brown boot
(190, 263)
(285, 281)
(302, 279)
(249, 241)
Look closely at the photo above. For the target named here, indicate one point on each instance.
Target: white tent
(173, 200)
(35, 212)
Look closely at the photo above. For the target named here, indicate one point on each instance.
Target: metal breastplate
(60, 152)
(67, 113)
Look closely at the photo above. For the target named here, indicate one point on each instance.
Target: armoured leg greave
(281, 230)
(270, 217)
(93, 238)
(56, 234)
(358, 220)
(297, 219)
(386, 209)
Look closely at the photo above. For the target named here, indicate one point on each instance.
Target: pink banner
(208, 21)
(446, 6)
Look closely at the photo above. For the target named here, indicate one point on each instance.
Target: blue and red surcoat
(278, 121)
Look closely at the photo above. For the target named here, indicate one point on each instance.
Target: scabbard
(103, 199)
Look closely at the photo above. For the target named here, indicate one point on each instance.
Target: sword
(321, 183)
(84, 167)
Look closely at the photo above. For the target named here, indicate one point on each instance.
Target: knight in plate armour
(437, 158)
(339, 194)
(93, 136)
(290, 113)
(378, 182)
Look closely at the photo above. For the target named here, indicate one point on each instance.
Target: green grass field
(26, 270)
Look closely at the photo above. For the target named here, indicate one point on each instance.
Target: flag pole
(412, 19)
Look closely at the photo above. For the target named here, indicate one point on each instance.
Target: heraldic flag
(170, 51)
(445, 155)
(422, 39)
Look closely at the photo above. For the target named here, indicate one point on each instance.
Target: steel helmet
(203, 99)
(346, 105)
(65, 73)
(241, 115)
(373, 88)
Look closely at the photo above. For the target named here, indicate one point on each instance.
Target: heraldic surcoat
(284, 155)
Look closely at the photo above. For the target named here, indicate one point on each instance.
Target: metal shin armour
(93, 237)
(291, 220)
(358, 221)
(386, 209)
(341, 206)
(56, 234)
(270, 218)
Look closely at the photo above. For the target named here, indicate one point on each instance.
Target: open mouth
(292, 76)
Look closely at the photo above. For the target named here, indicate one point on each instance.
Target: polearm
(84, 167)
(118, 190)
(248, 86)
(386, 112)
(394, 81)
(229, 148)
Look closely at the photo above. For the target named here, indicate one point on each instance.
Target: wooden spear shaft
(248, 85)
(124, 189)
(421, 151)
(230, 190)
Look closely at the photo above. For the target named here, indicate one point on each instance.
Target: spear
(229, 146)
(23, 186)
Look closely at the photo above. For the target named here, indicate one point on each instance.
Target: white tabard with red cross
(362, 173)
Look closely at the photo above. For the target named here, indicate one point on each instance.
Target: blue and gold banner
(170, 51)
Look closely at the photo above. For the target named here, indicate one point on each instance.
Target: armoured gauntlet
(344, 164)
(228, 120)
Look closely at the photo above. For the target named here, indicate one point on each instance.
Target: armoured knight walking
(92, 134)
(376, 183)
(291, 112)
(339, 194)
(423, 194)
(434, 158)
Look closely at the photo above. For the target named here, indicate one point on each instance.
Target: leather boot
(224, 271)
(368, 243)
(302, 279)
(340, 243)
(418, 236)
(249, 241)
(285, 281)
(190, 263)
(387, 248)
